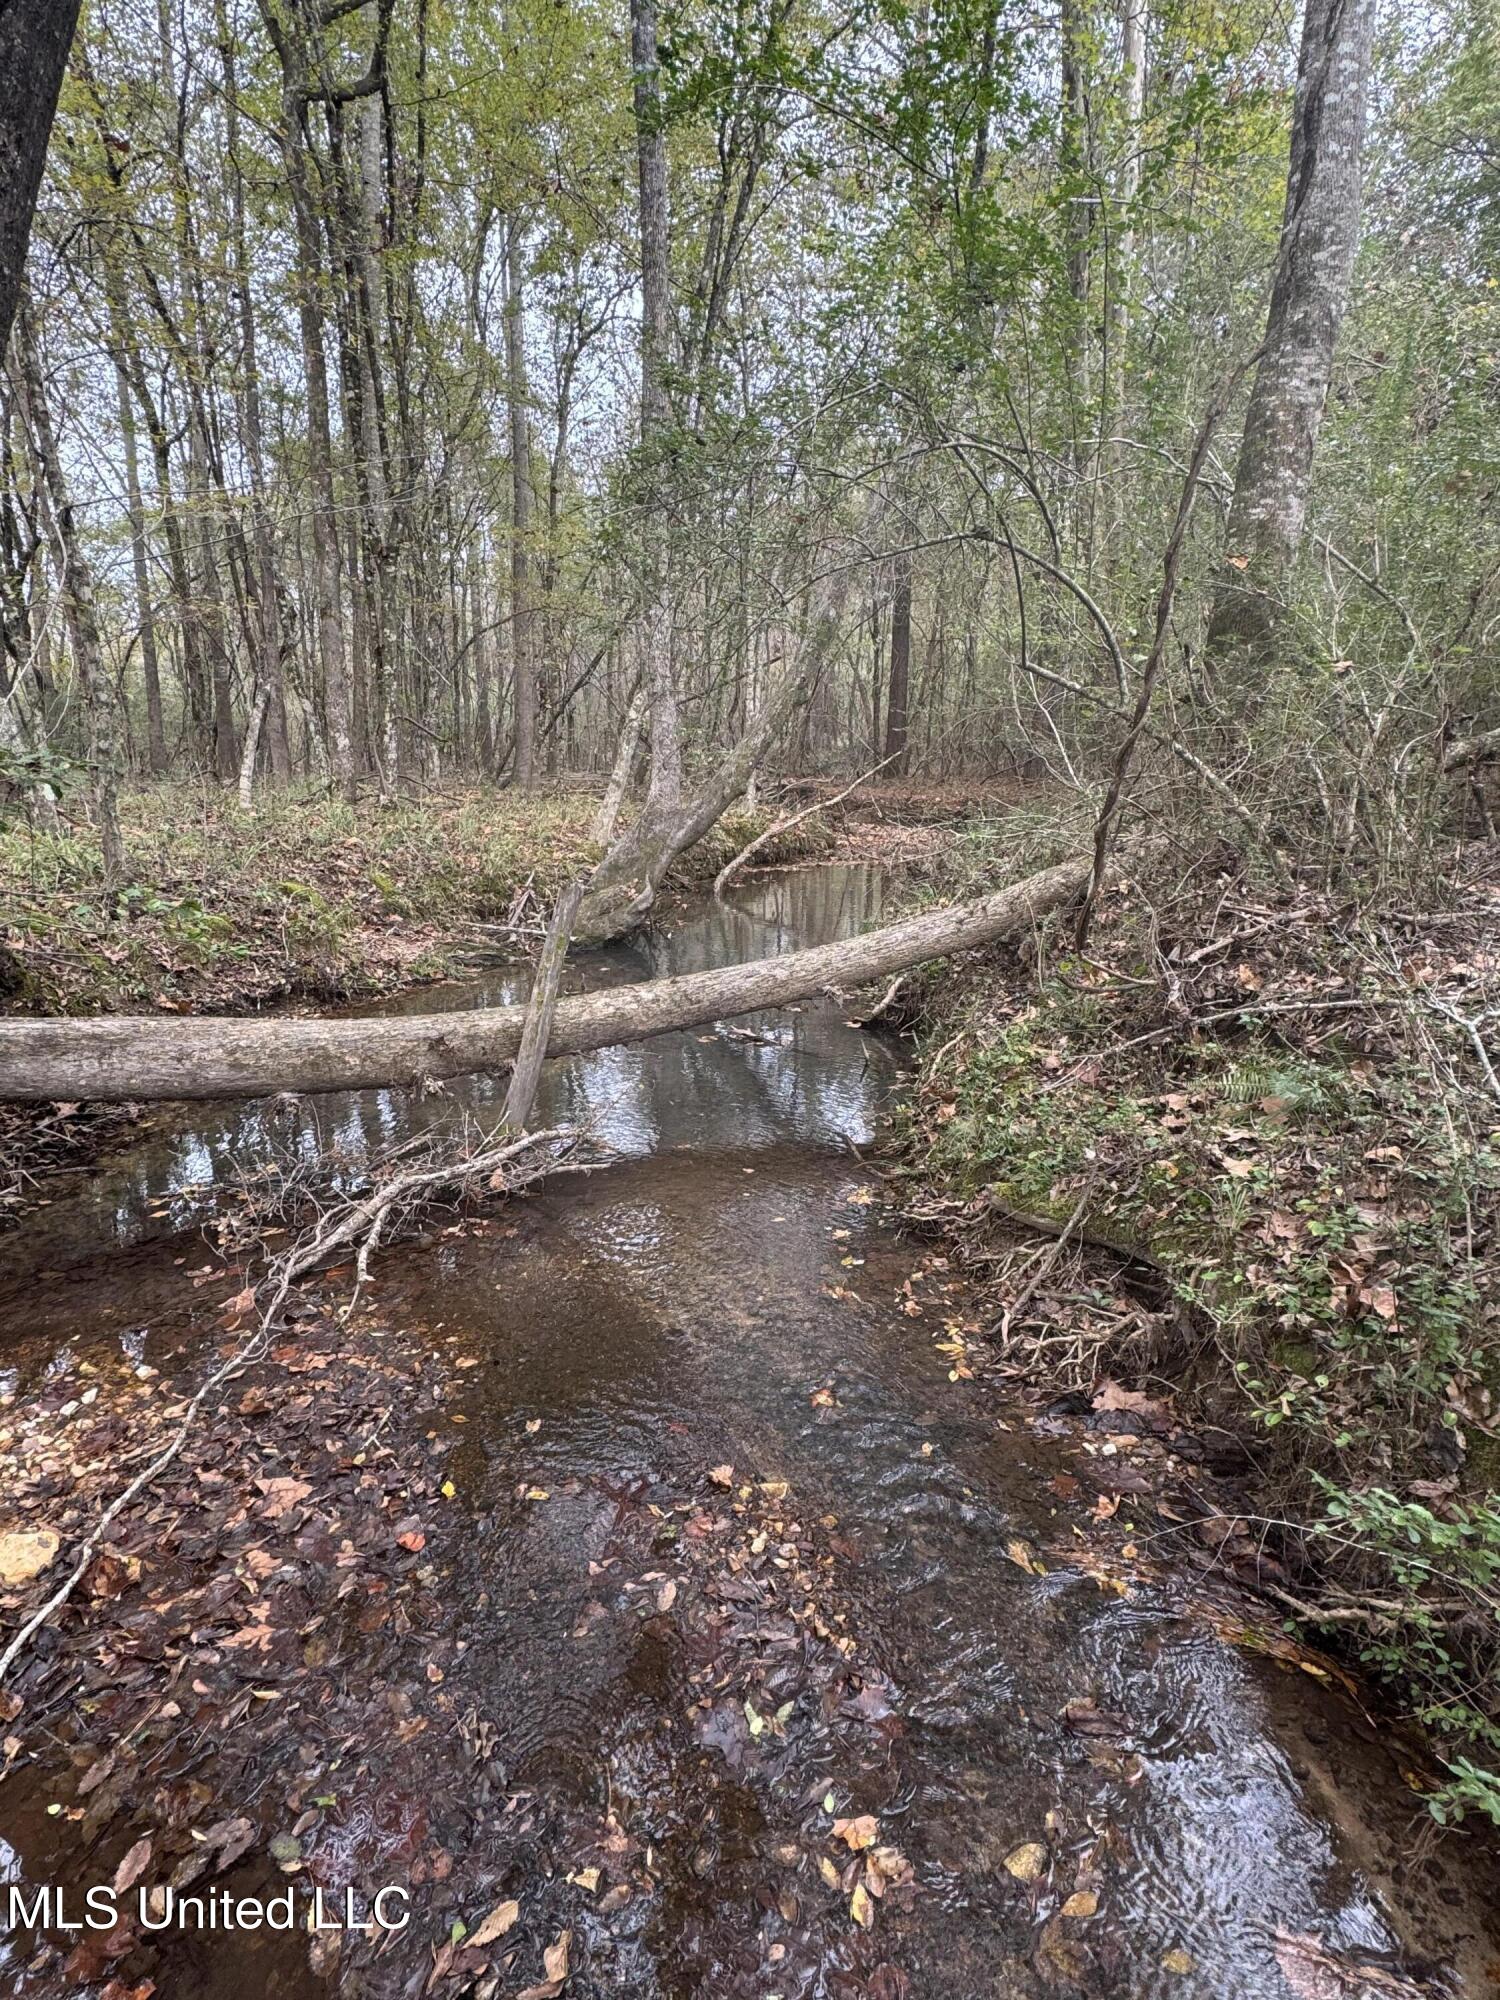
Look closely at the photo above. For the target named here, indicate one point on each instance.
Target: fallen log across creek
(120, 1058)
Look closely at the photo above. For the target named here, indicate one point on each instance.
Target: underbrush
(1267, 1147)
(305, 896)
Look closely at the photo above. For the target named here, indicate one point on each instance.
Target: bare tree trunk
(156, 740)
(35, 36)
(541, 1008)
(78, 601)
(198, 1056)
(1122, 256)
(1319, 238)
(624, 886)
(522, 507)
(1075, 151)
(899, 698)
(608, 816)
(310, 322)
(253, 723)
(268, 674)
(656, 411)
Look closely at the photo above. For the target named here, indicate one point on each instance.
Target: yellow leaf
(1082, 1903)
(1178, 1960)
(23, 1556)
(860, 1907)
(829, 1873)
(1027, 1861)
(449, 1490)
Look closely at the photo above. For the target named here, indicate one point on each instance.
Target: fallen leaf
(1027, 1861)
(23, 1556)
(1110, 1396)
(1313, 1972)
(860, 1907)
(282, 1495)
(134, 1865)
(1178, 1960)
(1082, 1903)
(857, 1833)
(722, 1475)
(496, 1924)
(1086, 1719)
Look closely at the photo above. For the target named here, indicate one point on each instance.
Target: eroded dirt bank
(664, 1557)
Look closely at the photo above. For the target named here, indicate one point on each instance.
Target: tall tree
(77, 581)
(1319, 238)
(522, 614)
(656, 405)
(35, 36)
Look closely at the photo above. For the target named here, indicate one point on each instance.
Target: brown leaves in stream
(286, 1668)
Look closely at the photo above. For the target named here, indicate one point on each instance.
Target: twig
(360, 1221)
(1044, 1264)
(795, 819)
(1471, 1027)
(1156, 659)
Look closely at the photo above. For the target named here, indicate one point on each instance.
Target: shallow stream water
(725, 1294)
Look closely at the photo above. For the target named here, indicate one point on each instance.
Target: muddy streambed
(653, 1569)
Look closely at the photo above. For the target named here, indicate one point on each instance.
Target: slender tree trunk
(268, 671)
(1122, 255)
(1076, 159)
(1319, 238)
(899, 698)
(656, 412)
(156, 740)
(522, 611)
(78, 600)
(311, 323)
(253, 724)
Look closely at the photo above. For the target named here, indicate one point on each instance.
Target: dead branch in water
(358, 1223)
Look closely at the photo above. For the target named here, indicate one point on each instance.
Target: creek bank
(302, 899)
(1256, 1149)
(300, 904)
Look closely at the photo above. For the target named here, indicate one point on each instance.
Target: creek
(727, 1295)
